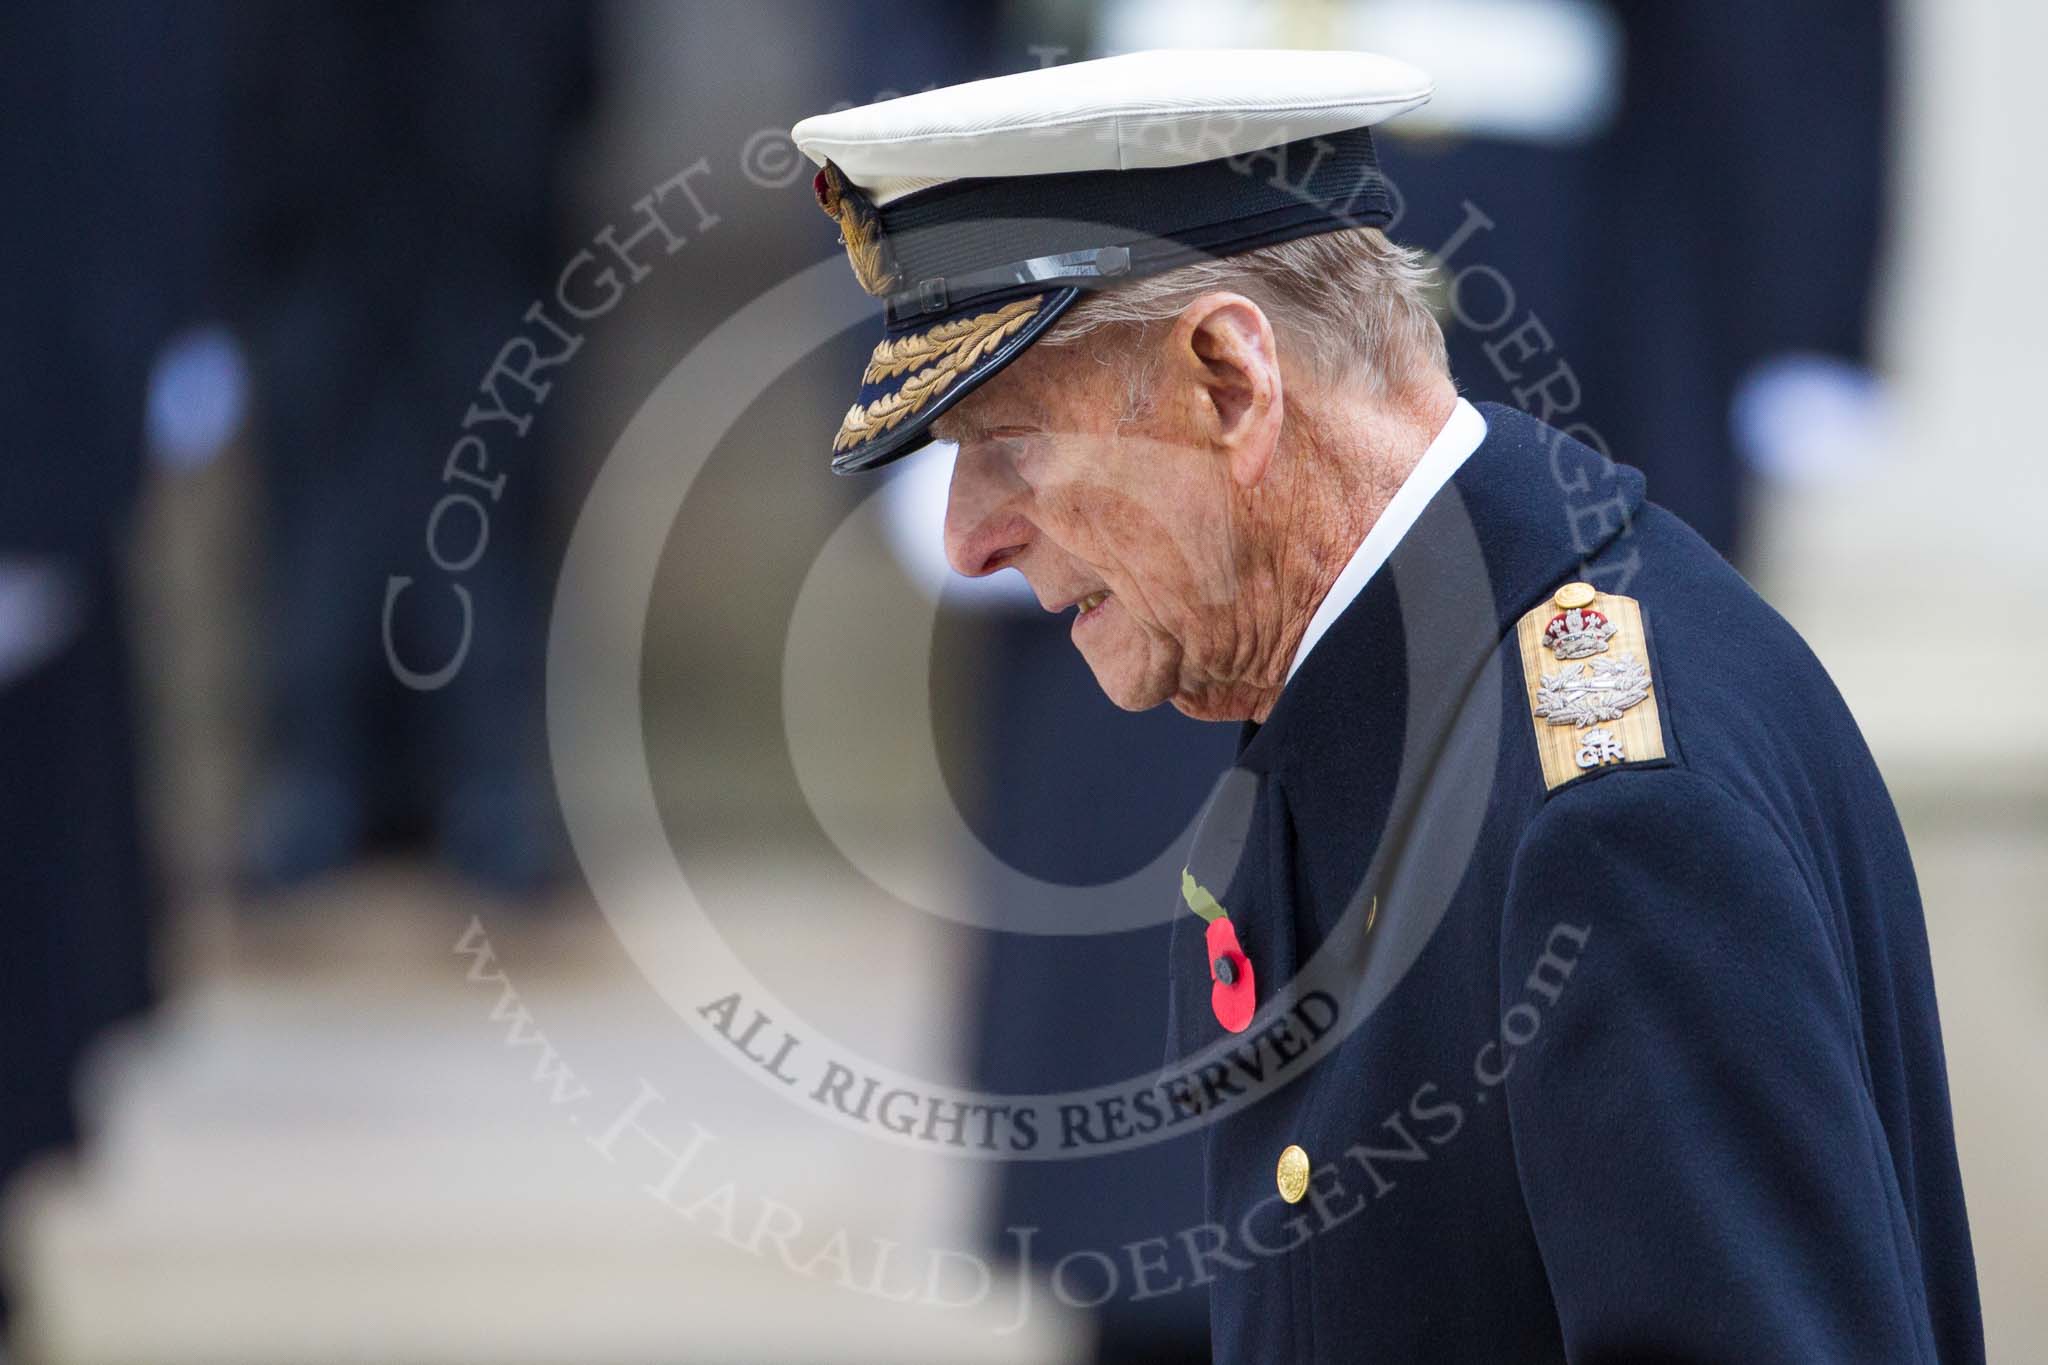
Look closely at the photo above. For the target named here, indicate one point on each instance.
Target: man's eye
(1025, 450)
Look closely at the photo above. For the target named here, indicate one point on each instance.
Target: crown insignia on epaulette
(1577, 633)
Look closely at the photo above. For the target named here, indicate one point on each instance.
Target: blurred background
(324, 318)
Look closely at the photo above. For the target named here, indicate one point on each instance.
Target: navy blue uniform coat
(1645, 1067)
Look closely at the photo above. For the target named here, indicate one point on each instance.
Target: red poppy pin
(1232, 992)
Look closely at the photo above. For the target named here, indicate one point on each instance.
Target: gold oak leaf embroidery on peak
(899, 354)
(965, 341)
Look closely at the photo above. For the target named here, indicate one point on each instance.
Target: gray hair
(1356, 303)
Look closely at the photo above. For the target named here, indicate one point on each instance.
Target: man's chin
(1126, 687)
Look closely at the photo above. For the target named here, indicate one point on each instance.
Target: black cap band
(968, 243)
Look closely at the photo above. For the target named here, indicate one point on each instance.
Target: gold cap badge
(860, 229)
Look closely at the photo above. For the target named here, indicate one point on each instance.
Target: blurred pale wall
(1921, 586)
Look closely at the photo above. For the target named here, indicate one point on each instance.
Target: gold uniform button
(1293, 1174)
(1574, 595)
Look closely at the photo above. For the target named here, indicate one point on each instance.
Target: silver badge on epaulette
(1601, 746)
(1585, 694)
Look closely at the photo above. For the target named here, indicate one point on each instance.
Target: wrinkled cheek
(1196, 636)
(1111, 520)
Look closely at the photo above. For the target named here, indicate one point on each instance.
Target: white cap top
(1140, 110)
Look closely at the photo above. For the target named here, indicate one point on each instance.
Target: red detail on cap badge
(1234, 1001)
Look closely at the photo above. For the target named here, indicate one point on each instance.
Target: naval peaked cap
(980, 212)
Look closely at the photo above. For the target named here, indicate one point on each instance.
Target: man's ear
(1223, 346)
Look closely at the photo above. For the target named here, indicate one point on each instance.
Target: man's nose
(985, 524)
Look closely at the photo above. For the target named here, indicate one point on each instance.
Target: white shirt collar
(1453, 445)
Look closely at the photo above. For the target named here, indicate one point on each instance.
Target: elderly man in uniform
(1551, 980)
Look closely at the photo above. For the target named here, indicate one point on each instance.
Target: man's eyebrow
(965, 423)
(961, 427)
(956, 426)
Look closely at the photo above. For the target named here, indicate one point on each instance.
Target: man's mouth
(1090, 603)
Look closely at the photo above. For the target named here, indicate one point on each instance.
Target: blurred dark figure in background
(111, 174)
(398, 176)
(1700, 252)
(1738, 243)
